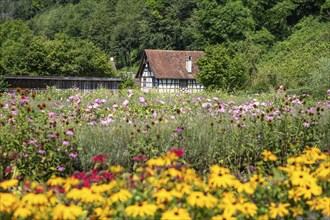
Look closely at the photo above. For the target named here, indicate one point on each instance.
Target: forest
(252, 45)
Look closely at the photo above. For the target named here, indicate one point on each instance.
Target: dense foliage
(276, 42)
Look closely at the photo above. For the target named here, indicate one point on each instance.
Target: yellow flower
(301, 178)
(202, 200)
(35, 199)
(63, 212)
(320, 204)
(70, 182)
(156, 162)
(248, 187)
(77, 194)
(122, 196)
(223, 217)
(143, 209)
(293, 194)
(269, 156)
(296, 211)
(323, 171)
(8, 202)
(176, 214)
(55, 181)
(23, 211)
(115, 169)
(8, 183)
(229, 204)
(248, 208)
(163, 196)
(278, 210)
(103, 213)
(309, 190)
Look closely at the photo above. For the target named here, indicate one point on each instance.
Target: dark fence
(83, 83)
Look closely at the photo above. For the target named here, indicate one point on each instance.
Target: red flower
(100, 158)
(178, 152)
(140, 157)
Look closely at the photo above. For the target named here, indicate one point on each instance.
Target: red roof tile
(170, 64)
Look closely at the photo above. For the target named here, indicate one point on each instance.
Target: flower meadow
(67, 154)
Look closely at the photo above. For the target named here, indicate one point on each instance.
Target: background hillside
(270, 42)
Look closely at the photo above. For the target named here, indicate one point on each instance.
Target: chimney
(189, 64)
(112, 61)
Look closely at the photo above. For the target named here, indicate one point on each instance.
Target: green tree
(224, 21)
(221, 69)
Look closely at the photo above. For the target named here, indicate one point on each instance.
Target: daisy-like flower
(143, 209)
(268, 156)
(122, 196)
(23, 211)
(35, 199)
(249, 209)
(55, 181)
(8, 184)
(320, 204)
(308, 191)
(295, 211)
(176, 214)
(220, 177)
(278, 210)
(8, 202)
(71, 211)
(163, 196)
(202, 200)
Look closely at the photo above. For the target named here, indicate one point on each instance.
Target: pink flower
(69, 132)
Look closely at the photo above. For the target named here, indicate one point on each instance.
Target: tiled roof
(170, 64)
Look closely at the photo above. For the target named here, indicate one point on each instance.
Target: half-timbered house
(169, 70)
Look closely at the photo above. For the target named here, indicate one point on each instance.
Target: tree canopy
(263, 35)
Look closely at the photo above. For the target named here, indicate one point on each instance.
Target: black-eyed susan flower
(202, 200)
(142, 209)
(268, 156)
(8, 202)
(320, 204)
(301, 178)
(55, 181)
(278, 210)
(23, 211)
(220, 177)
(176, 214)
(162, 196)
(295, 211)
(61, 212)
(307, 191)
(103, 213)
(122, 195)
(8, 184)
(35, 199)
(249, 209)
(223, 217)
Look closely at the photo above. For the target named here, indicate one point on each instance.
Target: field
(133, 154)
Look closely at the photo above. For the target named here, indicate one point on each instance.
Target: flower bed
(167, 188)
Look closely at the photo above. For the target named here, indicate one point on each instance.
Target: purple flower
(142, 100)
(41, 151)
(25, 155)
(66, 142)
(179, 129)
(30, 120)
(60, 168)
(73, 155)
(125, 102)
(69, 132)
